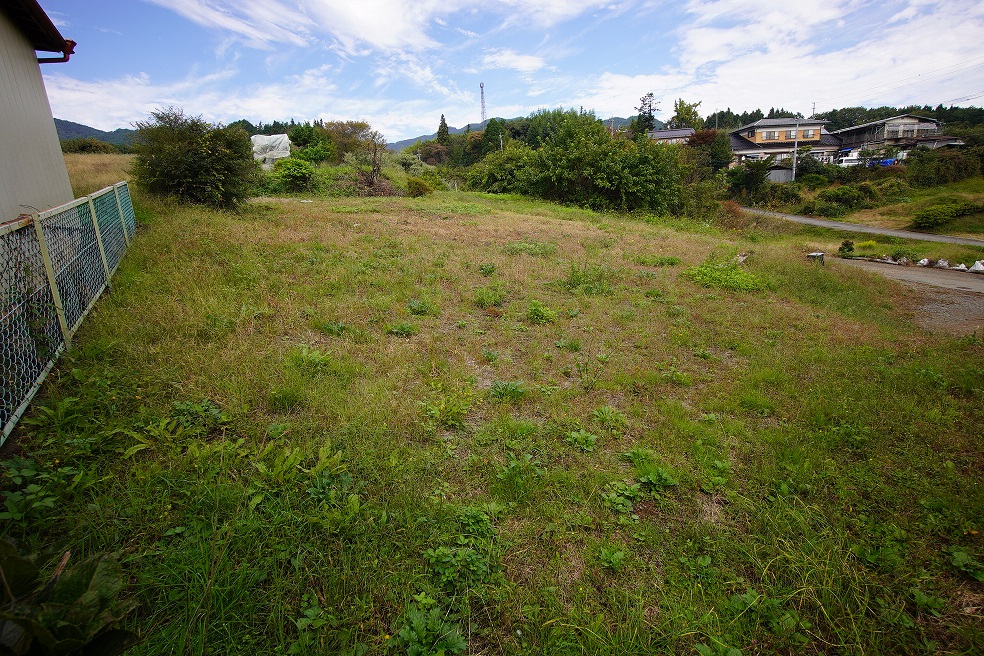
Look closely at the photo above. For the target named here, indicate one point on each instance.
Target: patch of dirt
(951, 312)
(944, 302)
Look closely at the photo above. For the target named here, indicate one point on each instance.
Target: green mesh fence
(53, 268)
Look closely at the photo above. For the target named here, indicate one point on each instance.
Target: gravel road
(950, 302)
(855, 227)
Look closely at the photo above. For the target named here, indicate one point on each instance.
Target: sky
(400, 64)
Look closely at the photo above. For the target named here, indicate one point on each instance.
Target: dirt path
(874, 230)
(950, 302)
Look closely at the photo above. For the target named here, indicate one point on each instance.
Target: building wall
(759, 136)
(32, 168)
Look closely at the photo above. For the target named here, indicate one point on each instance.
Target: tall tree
(493, 137)
(647, 109)
(443, 137)
(685, 115)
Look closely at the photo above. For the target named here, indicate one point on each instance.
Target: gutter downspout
(67, 52)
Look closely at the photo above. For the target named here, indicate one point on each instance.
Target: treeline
(953, 117)
(570, 156)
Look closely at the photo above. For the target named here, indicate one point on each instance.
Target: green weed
(539, 314)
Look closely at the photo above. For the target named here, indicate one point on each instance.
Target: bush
(190, 159)
(818, 207)
(813, 181)
(87, 145)
(322, 151)
(417, 187)
(293, 175)
(938, 215)
(928, 168)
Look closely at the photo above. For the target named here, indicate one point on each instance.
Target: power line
(963, 98)
(898, 84)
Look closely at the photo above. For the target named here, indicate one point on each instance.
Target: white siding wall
(32, 169)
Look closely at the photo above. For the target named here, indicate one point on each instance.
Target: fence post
(102, 251)
(119, 208)
(49, 270)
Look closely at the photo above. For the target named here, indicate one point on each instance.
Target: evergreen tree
(647, 109)
(443, 137)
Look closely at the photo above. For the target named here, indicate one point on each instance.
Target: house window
(771, 134)
(790, 134)
(809, 134)
(750, 134)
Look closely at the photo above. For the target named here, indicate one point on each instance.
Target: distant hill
(70, 130)
(397, 146)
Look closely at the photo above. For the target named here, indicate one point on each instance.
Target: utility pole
(481, 85)
(796, 141)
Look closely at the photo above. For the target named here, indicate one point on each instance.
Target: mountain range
(69, 130)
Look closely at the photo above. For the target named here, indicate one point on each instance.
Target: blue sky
(401, 64)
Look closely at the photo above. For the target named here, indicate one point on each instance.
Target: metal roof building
(32, 168)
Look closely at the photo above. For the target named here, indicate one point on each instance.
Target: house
(678, 136)
(899, 133)
(32, 169)
(781, 137)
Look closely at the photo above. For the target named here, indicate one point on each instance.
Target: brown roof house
(782, 137)
(32, 170)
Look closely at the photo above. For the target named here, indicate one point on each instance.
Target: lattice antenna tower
(481, 85)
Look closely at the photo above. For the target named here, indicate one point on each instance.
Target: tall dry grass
(90, 173)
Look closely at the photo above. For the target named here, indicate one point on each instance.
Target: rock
(903, 261)
(977, 267)
(960, 267)
(923, 262)
(942, 264)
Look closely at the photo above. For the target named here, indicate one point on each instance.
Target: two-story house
(781, 136)
(900, 133)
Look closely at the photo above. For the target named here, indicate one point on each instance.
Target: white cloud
(384, 25)
(509, 59)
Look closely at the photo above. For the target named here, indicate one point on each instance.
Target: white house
(32, 168)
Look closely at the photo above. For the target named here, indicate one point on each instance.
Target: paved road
(854, 227)
(944, 278)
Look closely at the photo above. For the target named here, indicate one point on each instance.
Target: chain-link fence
(53, 267)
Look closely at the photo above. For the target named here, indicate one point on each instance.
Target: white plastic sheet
(269, 148)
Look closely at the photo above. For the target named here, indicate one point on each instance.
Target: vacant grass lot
(899, 215)
(493, 426)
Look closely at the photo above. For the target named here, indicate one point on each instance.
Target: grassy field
(899, 215)
(493, 426)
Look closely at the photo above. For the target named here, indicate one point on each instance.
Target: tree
(348, 136)
(715, 145)
(647, 109)
(443, 137)
(193, 160)
(493, 138)
(685, 115)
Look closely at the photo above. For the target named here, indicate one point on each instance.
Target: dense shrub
(187, 158)
(293, 175)
(87, 145)
(417, 187)
(939, 215)
(813, 181)
(783, 194)
(817, 207)
(581, 164)
(848, 196)
(929, 168)
(321, 151)
(892, 189)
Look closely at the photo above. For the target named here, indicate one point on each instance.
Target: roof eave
(31, 20)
